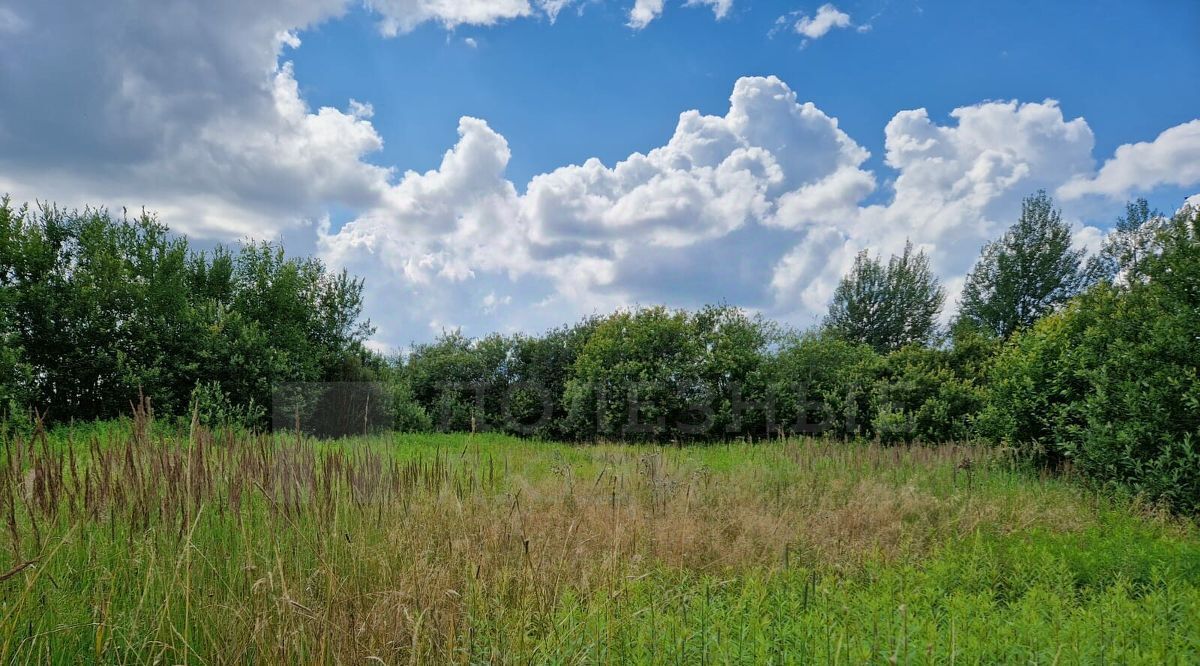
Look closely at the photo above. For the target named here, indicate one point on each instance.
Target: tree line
(1084, 363)
(97, 309)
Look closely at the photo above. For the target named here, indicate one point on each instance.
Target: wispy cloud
(645, 11)
(815, 26)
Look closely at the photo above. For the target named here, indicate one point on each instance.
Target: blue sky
(588, 86)
(509, 165)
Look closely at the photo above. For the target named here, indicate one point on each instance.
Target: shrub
(637, 377)
(920, 396)
(96, 310)
(658, 374)
(823, 382)
(459, 381)
(540, 368)
(213, 408)
(407, 414)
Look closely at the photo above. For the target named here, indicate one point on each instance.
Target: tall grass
(135, 544)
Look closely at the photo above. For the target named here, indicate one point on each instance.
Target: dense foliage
(1111, 384)
(96, 309)
(1104, 380)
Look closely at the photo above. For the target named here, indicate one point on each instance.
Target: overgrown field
(129, 543)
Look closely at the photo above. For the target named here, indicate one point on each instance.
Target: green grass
(167, 547)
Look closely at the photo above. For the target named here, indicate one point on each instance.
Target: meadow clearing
(135, 542)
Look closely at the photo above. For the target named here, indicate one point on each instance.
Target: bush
(1037, 385)
(637, 377)
(824, 383)
(539, 370)
(461, 382)
(407, 414)
(821, 382)
(96, 310)
(213, 408)
(659, 374)
(921, 397)
(733, 368)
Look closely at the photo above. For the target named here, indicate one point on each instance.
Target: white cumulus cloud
(597, 236)
(443, 224)
(193, 110)
(957, 186)
(645, 11)
(1173, 158)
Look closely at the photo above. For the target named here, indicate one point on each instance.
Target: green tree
(540, 368)
(15, 374)
(926, 395)
(1028, 273)
(659, 374)
(462, 383)
(887, 307)
(93, 303)
(1127, 247)
(408, 415)
(733, 348)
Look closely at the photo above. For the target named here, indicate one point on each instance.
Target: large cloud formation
(957, 186)
(184, 107)
(762, 206)
(197, 114)
(189, 108)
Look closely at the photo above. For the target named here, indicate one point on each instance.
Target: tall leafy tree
(15, 374)
(887, 307)
(1028, 273)
(1135, 238)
